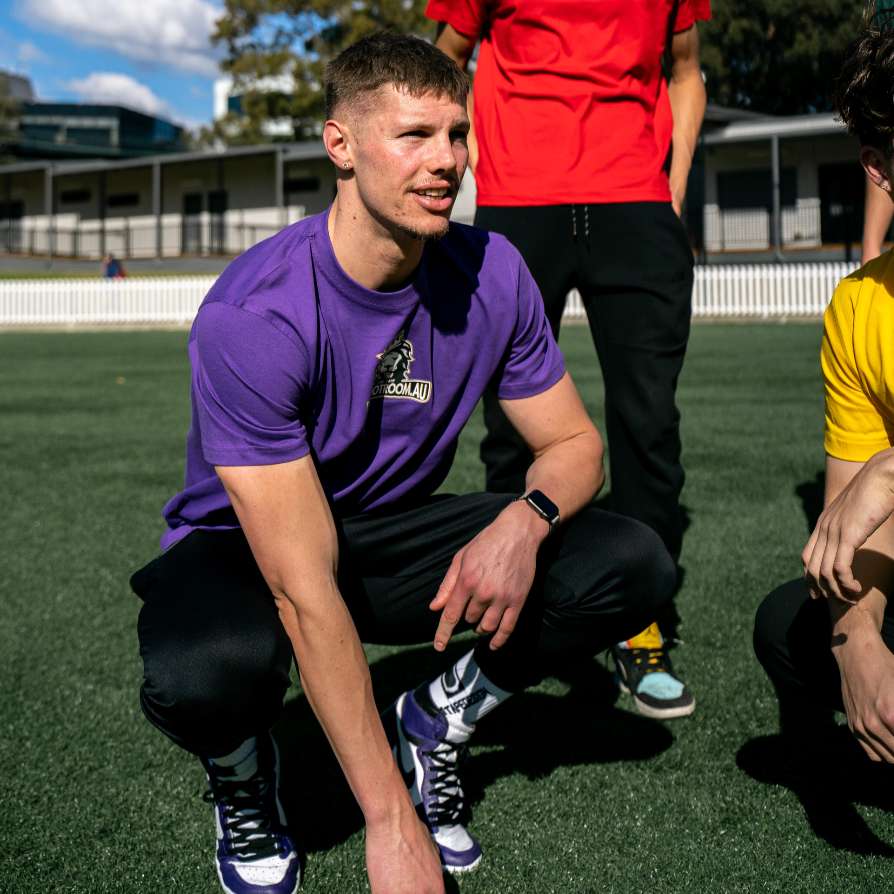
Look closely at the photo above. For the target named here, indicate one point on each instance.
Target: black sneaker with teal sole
(644, 669)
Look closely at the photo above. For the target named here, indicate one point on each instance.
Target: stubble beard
(421, 236)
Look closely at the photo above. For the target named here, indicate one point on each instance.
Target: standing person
(333, 368)
(584, 150)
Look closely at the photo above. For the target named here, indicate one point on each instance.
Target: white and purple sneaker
(255, 854)
(420, 739)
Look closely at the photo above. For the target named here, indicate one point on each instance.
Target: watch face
(544, 504)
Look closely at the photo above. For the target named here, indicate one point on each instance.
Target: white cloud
(121, 89)
(30, 52)
(175, 33)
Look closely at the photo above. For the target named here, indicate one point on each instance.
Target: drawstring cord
(586, 224)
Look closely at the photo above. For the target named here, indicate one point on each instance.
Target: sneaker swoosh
(409, 776)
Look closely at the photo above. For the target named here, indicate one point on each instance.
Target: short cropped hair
(865, 94)
(409, 63)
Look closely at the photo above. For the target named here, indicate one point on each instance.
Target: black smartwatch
(543, 506)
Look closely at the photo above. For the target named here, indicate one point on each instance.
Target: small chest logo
(392, 377)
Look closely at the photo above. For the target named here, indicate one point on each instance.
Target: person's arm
(688, 100)
(489, 580)
(876, 221)
(283, 510)
(849, 560)
(460, 48)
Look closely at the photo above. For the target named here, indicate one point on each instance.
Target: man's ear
(339, 142)
(876, 166)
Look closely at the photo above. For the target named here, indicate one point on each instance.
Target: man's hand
(867, 680)
(401, 857)
(855, 514)
(489, 580)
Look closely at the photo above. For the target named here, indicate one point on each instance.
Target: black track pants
(633, 266)
(793, 641)
(217, 659)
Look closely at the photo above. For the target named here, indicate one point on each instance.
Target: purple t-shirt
(290, 356)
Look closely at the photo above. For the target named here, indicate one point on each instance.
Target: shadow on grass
(580, 727)
(825, 767)
(811, 494)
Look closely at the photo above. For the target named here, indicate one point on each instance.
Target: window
(74, 196)
(302, 184)
(754, 189)
(12, 210)
(124, 200)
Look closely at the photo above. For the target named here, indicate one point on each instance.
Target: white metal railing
(729, 290)
(751, 228)
(229, 233)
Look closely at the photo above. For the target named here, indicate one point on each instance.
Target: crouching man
(836, 652)
(333, 368)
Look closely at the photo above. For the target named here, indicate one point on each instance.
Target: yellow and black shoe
(644, 669)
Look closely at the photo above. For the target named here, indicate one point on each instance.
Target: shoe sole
(655, 713)
(459, 870)
(231, 891)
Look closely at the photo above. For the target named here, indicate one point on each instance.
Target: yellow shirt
(858, 363)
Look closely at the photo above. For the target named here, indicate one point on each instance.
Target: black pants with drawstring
(216, 657)
(633, 266)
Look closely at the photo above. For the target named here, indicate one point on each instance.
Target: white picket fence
(139, 301)
(753, 290)
(759, 290)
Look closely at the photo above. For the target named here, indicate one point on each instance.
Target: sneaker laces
(445, 759)
(656, 660)
(245, 828)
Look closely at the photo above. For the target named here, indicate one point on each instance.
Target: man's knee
(772, 622)
(215, 689)
(622, 567)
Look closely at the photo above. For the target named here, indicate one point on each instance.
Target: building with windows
(759, 185)
(65, 130)
(780, 183)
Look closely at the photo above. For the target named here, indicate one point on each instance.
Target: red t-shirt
(570, 102)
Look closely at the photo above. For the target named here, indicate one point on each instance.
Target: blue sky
(153, 55)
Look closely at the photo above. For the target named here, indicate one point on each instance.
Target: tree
(276, 52)
(10, 110)
(779, 57)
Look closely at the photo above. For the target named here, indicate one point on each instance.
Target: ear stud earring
(345, 166)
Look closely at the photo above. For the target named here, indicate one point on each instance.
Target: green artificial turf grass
(570, 789)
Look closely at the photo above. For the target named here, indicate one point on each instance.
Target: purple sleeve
(534, 362)
(249, 380)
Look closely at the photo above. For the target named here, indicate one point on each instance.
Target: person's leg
(544, 237)
(583, 599)
(792, 641)
(637, 273)
(216, 657)
(216, 667)
(636, 270)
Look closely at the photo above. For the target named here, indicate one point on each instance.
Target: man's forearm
(570, 473)
(688, 100)
(335, 676)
